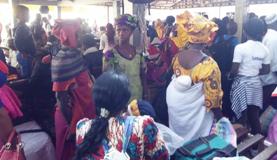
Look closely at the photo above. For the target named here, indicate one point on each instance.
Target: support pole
(128, 7)
(108, 14)
(59, 9)
(240, 14)
(138, 36)
(12, 4)
(116, 8)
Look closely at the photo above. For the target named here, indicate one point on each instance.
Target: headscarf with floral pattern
(128, 20)
(198, 28)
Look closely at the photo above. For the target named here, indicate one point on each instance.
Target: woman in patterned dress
(194, 96)
(111, 95)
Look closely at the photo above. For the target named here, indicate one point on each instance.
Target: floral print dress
(145, 142)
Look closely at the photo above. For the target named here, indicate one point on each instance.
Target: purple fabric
(108, 55)
(272, 133)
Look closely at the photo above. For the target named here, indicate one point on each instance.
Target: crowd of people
(107, 100)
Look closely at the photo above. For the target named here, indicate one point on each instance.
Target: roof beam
(38, 2)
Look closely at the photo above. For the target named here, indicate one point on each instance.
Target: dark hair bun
(255, 28)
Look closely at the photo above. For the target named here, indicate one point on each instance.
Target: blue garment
(234, 41)
(2, 56)
(1, 104)
(3, 79)
(25, 64)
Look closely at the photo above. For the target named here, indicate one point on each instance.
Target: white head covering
(271, 18)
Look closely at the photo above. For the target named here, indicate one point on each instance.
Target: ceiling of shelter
(178, 4)
(158, 4)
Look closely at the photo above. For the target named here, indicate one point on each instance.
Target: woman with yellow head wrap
(195, 75)
(194, 29)
(160, 29)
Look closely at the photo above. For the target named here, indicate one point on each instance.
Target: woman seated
(10, 100)
(107, 132)
(194, 95)
(5, 125)
(5, 121)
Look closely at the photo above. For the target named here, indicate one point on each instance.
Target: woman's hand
(65, 103)
(5, 125)
(217, 113)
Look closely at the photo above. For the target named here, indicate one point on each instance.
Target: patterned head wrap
(128, 20)
(198, 28)
(66, 32)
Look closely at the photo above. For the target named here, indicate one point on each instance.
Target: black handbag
(205, 148)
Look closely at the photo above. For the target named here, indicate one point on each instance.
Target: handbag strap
(127, 132)
(31, 131)
(128, 126)
(11, 137)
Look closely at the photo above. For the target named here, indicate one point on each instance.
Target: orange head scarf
(66, 32)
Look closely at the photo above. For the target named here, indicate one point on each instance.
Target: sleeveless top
(130, 67)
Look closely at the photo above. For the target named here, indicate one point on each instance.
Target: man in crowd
(23, 40)
(270, 80)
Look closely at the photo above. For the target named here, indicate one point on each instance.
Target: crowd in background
(97, 96)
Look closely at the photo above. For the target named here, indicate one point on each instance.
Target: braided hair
(111, 92)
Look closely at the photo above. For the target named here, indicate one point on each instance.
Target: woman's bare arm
(5, 125)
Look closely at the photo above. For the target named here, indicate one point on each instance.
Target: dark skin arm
(5, 125)
(217, 113)
(265, 69)
(234, 70)
(65, 104)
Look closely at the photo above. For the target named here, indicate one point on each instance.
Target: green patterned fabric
(132, 69)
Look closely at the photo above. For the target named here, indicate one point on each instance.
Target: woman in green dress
(124, 56)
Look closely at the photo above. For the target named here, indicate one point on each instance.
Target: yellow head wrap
(133, 108)
(195, 28)
(159, 26)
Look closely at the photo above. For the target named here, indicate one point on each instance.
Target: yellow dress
(207, 72)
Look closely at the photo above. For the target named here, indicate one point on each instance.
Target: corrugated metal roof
(158, 4)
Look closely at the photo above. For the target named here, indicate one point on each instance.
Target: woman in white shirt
(251, 59)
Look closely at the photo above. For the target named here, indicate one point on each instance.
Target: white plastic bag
(224, 129)
(172, 140)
